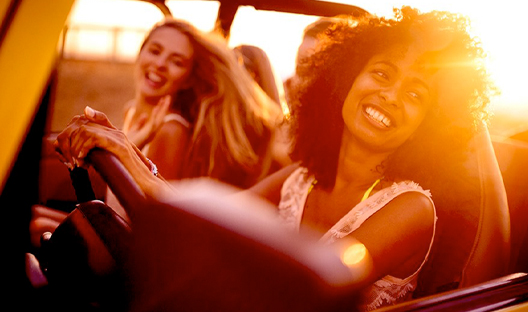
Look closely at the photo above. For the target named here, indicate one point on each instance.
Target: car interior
(236, 259)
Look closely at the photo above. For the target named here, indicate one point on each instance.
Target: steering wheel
(199, 251)
(83, 260)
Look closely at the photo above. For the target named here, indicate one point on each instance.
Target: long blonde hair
(228, 105)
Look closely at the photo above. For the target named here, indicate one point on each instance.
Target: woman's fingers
(158, 114)
(160, 111)
(146, 125)
(82, 141)
(164, 104)
(62, 142)
(82, 134)
(67, 161)
(141, 121)
(97, 117)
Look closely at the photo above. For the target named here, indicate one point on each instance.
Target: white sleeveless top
(168, 118)
(110, 198)
(386, 291)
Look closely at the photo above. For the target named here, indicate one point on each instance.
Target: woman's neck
(358, 165)
(145, 104)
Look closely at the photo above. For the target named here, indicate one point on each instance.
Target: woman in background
(219, 125)
(257, 63)
(196, 113)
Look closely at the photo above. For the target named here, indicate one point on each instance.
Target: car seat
(474, 236)
(512, 155)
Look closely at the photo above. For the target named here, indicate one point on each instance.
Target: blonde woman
(219, 124)
(196, 112)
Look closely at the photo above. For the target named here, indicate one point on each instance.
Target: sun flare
(500, 27)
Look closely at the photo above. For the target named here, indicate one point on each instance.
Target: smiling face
(388, 100)
(164, 64)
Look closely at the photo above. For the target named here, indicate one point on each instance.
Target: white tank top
(387, 291)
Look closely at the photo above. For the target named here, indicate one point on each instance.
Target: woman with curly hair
(385, 113)
(383, 120)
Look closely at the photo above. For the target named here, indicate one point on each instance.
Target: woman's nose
(160, 62)
(390, 95)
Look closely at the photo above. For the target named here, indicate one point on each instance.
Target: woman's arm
(398, 236)
(94, 130)
(169, 147)
(270, 187)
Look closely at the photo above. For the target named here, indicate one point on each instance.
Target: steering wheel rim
(86, 255)
(118, 179)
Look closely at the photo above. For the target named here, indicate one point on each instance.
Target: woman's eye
(155, 51)
(381, 74)
(415, 96)
(177, 62)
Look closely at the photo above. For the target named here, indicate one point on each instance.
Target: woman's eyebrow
(414, 80)
(177, 54)
(387, 63)
(420, 82)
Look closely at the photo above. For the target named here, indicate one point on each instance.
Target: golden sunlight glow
(501, 28)
(354, 254)
(499, 25)
(135, 14)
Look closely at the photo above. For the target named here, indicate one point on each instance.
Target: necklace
(365, 195)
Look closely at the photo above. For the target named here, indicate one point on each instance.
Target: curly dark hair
(439, 145)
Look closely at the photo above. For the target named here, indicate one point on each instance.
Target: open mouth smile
(378, 117)
(155, 79)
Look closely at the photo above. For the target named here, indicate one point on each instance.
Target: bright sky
(499, 24)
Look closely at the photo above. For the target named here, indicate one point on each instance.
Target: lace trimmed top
(386, 291)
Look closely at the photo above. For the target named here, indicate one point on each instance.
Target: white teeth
(154, 77)
(378, 116)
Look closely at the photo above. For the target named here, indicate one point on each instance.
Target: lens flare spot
(354, 254)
